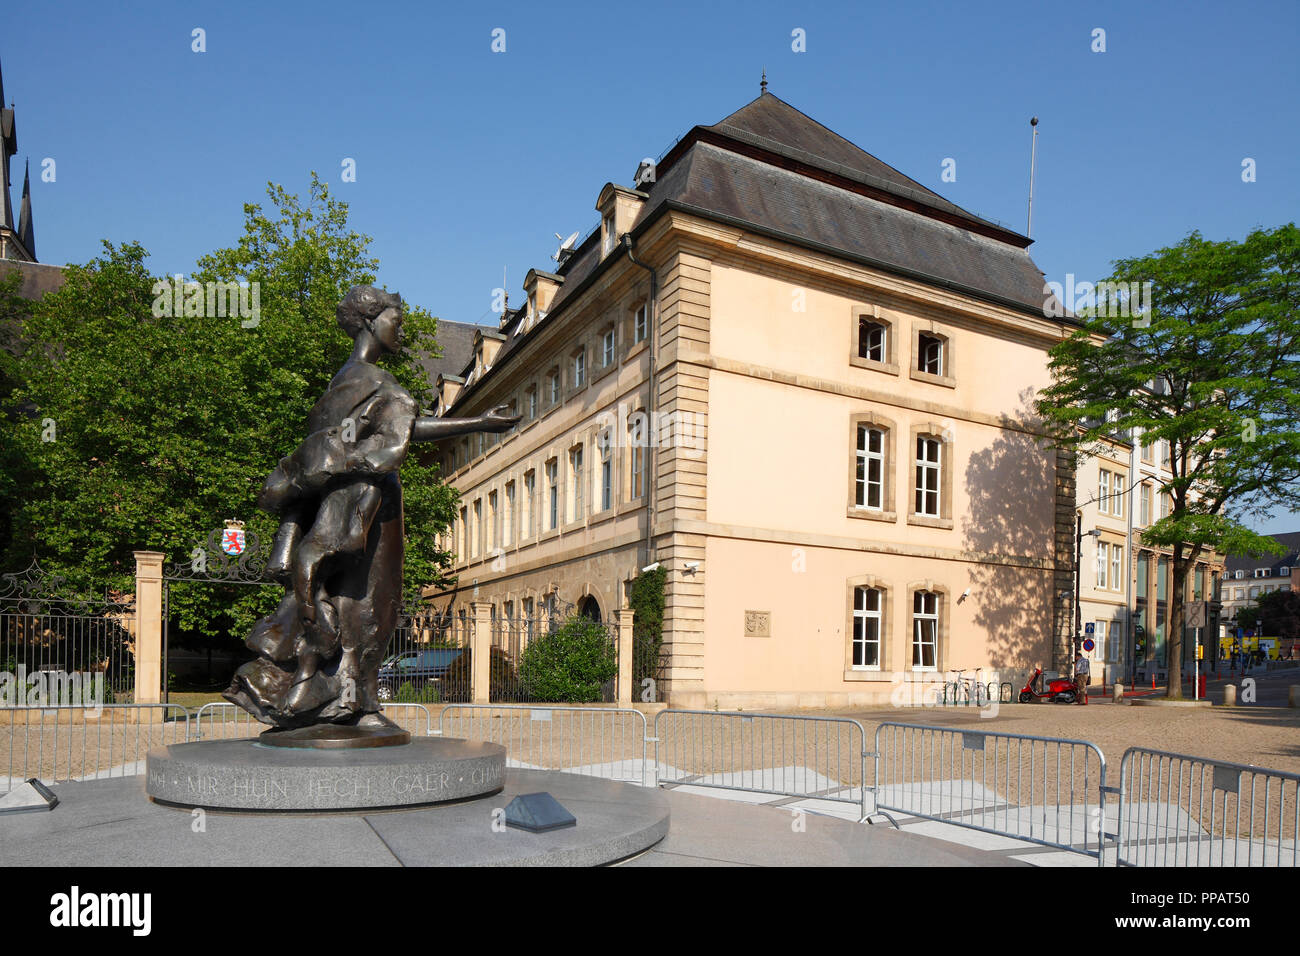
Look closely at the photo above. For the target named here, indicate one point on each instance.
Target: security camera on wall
(650, 567)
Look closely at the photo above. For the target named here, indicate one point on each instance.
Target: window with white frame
(494, 528)
(530, 504)
(929, 471)
(577, 478)
(611, 236)
(508, 523)
(1116, 567)
(476, 532)
(532, 402)
(1117, 493)
(1103, 563)
(866, 628)
(925, 630)
(607, 348)
(929, 354)
(636, 453)
(579, 360)
(603, 445)
(1103, 491)
(553, 494)
(553, 386)
(640, 324)
(1144, 505)
(872, 340)
(870, 468)
(462, 534)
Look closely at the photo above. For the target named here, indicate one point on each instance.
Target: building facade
(1126, 585)
(800, 382)
(1247, 579)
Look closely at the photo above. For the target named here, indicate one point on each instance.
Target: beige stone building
(1126, 586)
(799, 381)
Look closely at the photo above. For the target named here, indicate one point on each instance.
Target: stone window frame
(554, 387)
(948, 378)
(888, 504)
(575, 505)
(888, 663)
(631, 501)
(946, 467)
(873, 313)
(599, 458)
(551, 528)
(509, 513)
(943, 616)
(531, 401)
(476, 529)
(643, 306)
(570, 384)
(528, 504)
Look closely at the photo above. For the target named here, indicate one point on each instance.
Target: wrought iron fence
(1177, 810)
(1044, 790)
(61, 647)
(428, 659)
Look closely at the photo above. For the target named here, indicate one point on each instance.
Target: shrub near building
(570, 664)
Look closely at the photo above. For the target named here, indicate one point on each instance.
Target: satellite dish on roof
(566, 248)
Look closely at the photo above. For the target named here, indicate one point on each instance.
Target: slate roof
(1290, 539)
(456, 341)
(771, 169)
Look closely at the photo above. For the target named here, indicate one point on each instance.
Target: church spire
(26, 235)
(8, 147)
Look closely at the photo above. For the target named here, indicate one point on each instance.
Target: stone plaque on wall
(758, 623)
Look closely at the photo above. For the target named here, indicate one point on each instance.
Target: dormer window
(611, 236)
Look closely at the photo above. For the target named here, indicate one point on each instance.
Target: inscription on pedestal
(238, 775)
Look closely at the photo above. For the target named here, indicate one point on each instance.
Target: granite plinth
(247, 775)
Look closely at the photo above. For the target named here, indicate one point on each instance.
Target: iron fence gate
(61, 647)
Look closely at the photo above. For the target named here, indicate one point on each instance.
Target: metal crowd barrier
(84, 743)
(603, 742)
(1177, 810)
(223, 720)
(1044, 790)
(818, 758)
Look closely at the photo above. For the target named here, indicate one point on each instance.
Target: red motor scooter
(1060, 690)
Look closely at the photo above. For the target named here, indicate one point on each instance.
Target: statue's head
(366, 308)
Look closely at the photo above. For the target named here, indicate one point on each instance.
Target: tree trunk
(1174, 626)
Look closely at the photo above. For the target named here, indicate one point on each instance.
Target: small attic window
(611, 235)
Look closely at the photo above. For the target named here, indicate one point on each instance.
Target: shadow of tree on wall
(1012, 489)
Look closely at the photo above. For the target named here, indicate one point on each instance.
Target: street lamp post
(1078, 581)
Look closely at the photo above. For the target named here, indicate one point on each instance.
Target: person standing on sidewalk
(1081, 678)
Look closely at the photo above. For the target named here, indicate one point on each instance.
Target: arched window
(925, 630)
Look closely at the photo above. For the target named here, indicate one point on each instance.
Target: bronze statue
(339, 548)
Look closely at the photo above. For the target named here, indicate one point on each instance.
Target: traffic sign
(1089, 628)
(1089, 644)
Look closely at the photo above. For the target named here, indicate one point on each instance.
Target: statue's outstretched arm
(499, 419)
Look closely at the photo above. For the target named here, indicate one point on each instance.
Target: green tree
(1213, 368)
(167, 424)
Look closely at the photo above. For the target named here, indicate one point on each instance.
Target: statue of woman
(339, 548)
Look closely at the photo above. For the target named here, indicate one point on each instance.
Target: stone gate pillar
(626, 692)
(148, 627)
(480, 655)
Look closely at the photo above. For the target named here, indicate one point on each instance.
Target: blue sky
(469, 161)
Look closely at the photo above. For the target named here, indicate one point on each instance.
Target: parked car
(417, 668)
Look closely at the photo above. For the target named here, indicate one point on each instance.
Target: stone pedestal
(248, 775)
